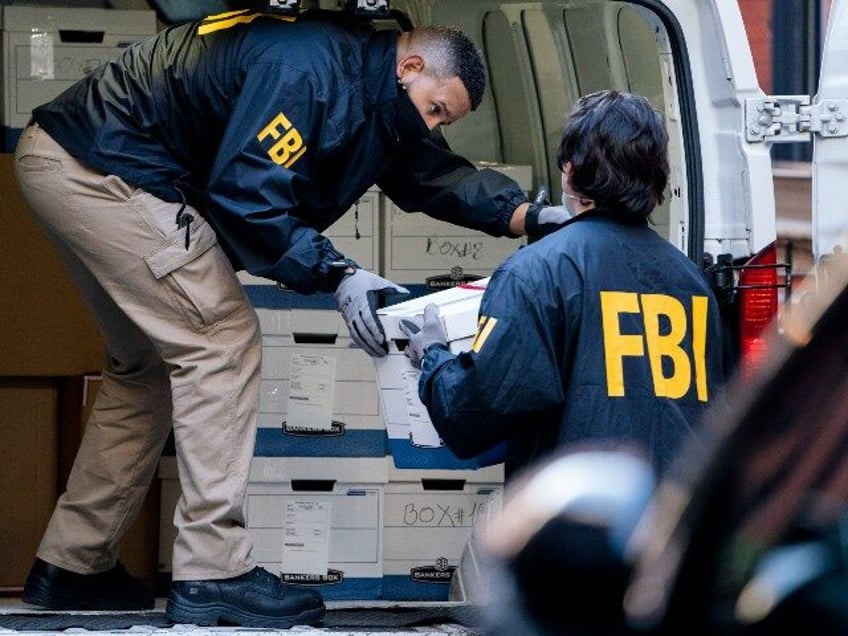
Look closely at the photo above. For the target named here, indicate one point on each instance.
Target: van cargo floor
(357, 618)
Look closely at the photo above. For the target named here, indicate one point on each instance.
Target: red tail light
(758, 303)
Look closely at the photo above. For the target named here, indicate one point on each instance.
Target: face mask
(409, 124)
(566, 203)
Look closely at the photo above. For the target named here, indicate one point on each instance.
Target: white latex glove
(357, 299)
(542, 220)
(428, 333)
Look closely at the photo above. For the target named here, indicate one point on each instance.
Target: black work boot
(52, 587)
(255, 599)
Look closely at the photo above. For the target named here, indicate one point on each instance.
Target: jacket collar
(380, 61)
(611, 214)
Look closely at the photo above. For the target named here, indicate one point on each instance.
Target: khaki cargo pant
(183, 350)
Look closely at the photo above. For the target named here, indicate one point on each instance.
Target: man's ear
(410, 63)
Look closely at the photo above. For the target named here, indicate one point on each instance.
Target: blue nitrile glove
(541, 220)
(357, 299)
(421, 337)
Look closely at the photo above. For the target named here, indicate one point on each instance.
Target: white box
(425, 254)
(46, 49)
(396, 377)
(345, 543)
(356, 235)
(318, 392)
(430, 255)
(303, 323)
(427, 524)
(412, 440)
(487, 475)
(458, 309)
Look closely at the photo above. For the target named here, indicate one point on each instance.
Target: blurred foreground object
(551, 562)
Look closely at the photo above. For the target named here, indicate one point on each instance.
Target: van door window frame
(691, 132)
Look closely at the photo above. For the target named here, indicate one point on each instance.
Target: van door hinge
(788, 118)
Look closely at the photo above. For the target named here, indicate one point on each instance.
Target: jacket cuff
(531, 220)
(434, 356)
(512, 203)
(337, 270)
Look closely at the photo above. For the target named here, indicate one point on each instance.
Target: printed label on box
(422, 431)
(310, 404)
(306, 542)
(41, 55)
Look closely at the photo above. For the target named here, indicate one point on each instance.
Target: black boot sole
(214, 614)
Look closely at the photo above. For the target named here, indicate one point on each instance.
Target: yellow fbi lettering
(229, 19)
(286, 143)
(485, 325)
(655, 345)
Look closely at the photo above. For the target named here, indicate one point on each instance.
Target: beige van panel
(541, 56)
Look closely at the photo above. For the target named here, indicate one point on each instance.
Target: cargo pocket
(197, 277)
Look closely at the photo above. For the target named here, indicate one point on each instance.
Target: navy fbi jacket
(272, 128)
(600, 332)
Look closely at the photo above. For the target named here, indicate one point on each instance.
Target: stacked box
(355, 234)
(315, 523)
(412, 440)
(318, 394)
(46, 49)
(433, 499)
(427, 255)
(430, 516)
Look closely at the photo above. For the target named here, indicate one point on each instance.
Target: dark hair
(451, 53)
(618, 148)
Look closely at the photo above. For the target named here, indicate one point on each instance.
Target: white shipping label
(310, 405)
(422, 431)
(306, 537)
(41, 58)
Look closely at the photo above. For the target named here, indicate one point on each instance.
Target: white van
(692, 59)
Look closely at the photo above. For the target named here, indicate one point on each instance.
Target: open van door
(830, 142)
(824, 117)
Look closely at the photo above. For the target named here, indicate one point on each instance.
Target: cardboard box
(412, 440)
(317, 523)
(29, 420)
(47, 329)
(486, 475)
(356, 235)
(428, 523)
(458, 310)
(427, 255)
(318, 394)
(46, 49)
